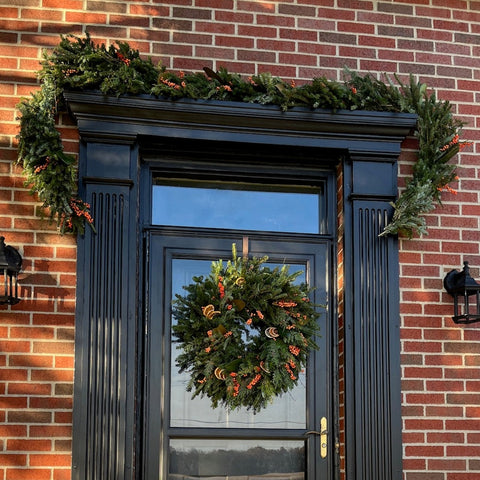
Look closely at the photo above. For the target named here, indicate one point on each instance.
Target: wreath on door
(245, 332)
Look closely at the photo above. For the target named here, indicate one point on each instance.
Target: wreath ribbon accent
(244, 332)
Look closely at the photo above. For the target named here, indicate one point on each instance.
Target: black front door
(292, 439)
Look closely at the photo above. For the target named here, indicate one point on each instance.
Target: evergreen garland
(79, 64)
(244, 332)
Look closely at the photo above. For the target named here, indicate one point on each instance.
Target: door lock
(323, 437)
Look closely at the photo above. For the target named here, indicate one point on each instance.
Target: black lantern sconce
(10, 265)
(461, 284)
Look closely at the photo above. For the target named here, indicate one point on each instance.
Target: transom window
(273, 208)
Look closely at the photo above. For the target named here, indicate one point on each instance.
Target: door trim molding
(113, 131)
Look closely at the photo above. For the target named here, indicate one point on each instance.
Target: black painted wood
(105, 323)
(372, 335)
(113, 131)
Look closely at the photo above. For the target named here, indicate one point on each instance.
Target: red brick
(42, 14)
(13, 402)
(7, 431)
(235, 41)
(445, 334)
(445, 386)
(256, 31)
(32, 332)
(252, 6)
(424, 425)
(233, 17)
(421, 297)
(29, 445)
(62, 474)
(194, 13)
(425, 451)
(50, 431)
(447, 360)
(172, 24)
(424, 476)
(54, 320)
(114, 7)
(430, 347)
(13, 374)
(463, 425)
(9, 12)
(443, 411)
(149, 10)
(45, 460)
(13, 459)
(461, 347)
(28, 474)
(29, 416)
(63, 445)
(84, 17)
(415, 437)
(51, 403)
(64, 362)
(411, 333)
(425, 398)
(29, 388)
(463, 451)
(63, 417)
(446, 464)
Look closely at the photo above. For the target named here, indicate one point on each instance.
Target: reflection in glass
(287, 411)
(237, 459)
(276, 211)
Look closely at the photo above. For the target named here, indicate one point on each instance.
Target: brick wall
(295, 39)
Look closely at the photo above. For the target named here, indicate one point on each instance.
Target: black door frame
(199, 160)
(178, 242)
(113, 131)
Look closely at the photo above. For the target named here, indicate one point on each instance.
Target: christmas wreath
(244, 332)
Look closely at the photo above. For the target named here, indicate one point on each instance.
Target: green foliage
(244, 332)
(438, 142)
(79, 64)
(76, 64)
(48, 170)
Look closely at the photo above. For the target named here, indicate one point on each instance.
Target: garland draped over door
(79, 64)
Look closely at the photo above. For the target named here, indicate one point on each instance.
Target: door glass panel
(237, 459)
(278, 209)
(287, 411)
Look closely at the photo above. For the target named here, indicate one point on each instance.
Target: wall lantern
(10, 265)
(461, 284)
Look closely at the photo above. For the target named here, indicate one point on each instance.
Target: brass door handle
(323, 436)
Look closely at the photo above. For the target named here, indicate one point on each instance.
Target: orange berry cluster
(40, 168)
(288, 368)
(236, 385)
(294, 350)
(453, 142)
(171, 84)
(123, 59)
(285, 304)
(80, 209)
(255, 380)
(221, 288)
(227, 88)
